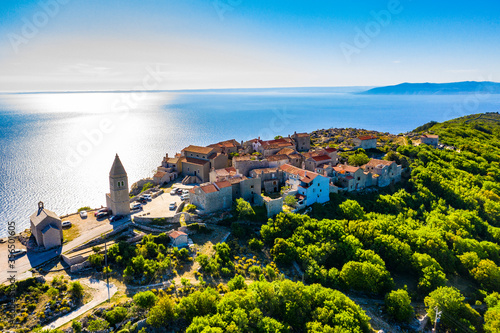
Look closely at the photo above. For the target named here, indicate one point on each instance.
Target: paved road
(33, 259)
(101, 295)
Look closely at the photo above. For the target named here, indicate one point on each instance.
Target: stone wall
(273, 206)
(245, 166)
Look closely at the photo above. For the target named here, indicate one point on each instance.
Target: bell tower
(118, 198)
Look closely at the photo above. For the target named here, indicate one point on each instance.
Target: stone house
(366, 142)
(302, 141)
(275, 161)
(211, 197)
(271, 147)
(227, 147)
(314, 162)
(198, 161)
(386, 171)
(170, 169)
(244, 164)
(429, 139)
(350, 178)
(46, 226)
(270, 178)
(294, 158)
(310, 186)
(178, 238)
(242, 186)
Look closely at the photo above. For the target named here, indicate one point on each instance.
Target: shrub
(255, 244)
(190, 208)
(238, 282)
(398, 306)
(145, 299)
(146, 186)
(84, 208)
(117, 315)
(76, 289)
(243, 209)
(162, 312)
(98, 325)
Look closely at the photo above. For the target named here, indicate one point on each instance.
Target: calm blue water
(58, 148)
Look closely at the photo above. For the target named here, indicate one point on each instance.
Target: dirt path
(99, 293)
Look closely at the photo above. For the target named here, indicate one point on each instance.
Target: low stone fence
(100, 240)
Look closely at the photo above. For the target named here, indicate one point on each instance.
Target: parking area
(159, 207)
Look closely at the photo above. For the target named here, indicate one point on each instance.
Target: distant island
(467, 87)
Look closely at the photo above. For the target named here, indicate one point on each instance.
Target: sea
(58, 147)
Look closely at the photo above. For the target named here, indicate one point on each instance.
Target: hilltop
(467, 87)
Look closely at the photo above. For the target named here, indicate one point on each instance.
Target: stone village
(261, 172)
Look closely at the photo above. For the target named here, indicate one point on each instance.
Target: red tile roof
(345, 167)
(223, 184)
(159, 174)
(430, 136)
(302, 135)
(175, 234)
(305, 176)
(321, 158)
(374, 162)
(209, 188)
(330, 150)
(286, 151)
(367, 137)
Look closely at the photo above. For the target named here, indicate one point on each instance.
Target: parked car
(116, 218)
(172, 205)
(66, 224)
(102, 210)
(136, 205)
(173, 191)
(102, 215)
(179, 191)
(143, 201)
(185, 191)
(185, 197)
(83, 214)
(17, 252)
(147, 197)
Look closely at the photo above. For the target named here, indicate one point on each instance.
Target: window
(251, 186)
(359, 178)
(318, 184)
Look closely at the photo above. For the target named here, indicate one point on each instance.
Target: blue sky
(188, 44)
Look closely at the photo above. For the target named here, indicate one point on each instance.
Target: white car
(66, 224)
(172, 205)
(147, 196)
(17, 252)
(185, 191)
(136, 205)
(173, 191)
(185, 197)
(83, 214)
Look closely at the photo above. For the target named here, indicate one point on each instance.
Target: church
(117, 199)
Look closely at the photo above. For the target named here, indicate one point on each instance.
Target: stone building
(302, 141)
(46, 226)
(271, 147)
(242, 186)
(178, 238)
(351, 178)
(211, 197)
(270, 178)
(366, 142)
(227, 147)
(386, 171)
(429, 139)
(198, 161)
(245, 164)
(118, 200)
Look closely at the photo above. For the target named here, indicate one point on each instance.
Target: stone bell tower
(118, 197)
